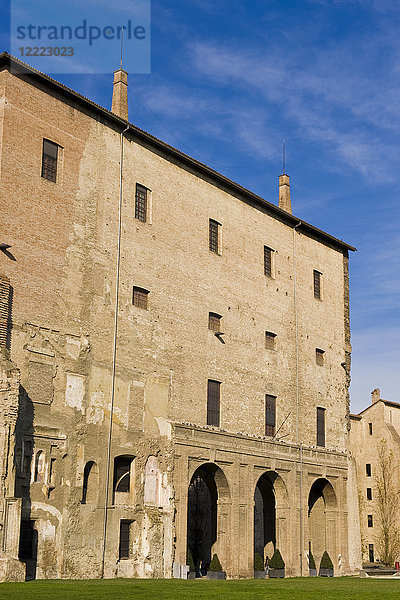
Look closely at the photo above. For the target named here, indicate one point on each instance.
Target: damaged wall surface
(100, 442)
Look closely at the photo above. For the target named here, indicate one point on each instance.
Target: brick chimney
(120, 94)
(284, 193)
(375, 395)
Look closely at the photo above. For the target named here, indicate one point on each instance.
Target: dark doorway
(264, 517)
(27, 553)
(202, 517)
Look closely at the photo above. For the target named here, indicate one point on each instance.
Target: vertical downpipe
(297, 396)
(114, 351)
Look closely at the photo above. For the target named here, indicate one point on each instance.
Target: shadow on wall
(28, 540)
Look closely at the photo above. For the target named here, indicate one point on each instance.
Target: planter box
(313, 573)
(216, 575)
(259, 574)
(276, 572)
(326, 572)
(191, 575)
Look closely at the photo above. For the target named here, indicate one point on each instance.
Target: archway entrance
(322, 520)
(208, 496)
(264, 517)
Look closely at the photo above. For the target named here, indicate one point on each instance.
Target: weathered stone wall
(64, 237)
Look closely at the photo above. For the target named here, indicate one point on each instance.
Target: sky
(231, 79)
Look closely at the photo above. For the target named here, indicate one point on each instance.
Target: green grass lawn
(139, 589)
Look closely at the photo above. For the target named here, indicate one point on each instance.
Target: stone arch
(208, 517)
(270, 515)
(322, 520)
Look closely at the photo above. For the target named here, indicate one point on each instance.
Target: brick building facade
(222, 375)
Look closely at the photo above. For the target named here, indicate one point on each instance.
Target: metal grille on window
(270, 339)
(320, 426)
(141, 203)
(140, 297)
(213, 236)
(268, 261)
(49, 160)
(270, 415)
(124, 539)
(213, 402)
(319, 357)
(317, 285)
(214, 322)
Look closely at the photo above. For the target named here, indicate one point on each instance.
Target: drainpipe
(114, 351)
(298, 394)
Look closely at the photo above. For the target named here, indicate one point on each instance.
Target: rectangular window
(270, 415)
(268, 262)
(370, 428)
(27, 538)
(49, 160)
(320, 426)
(124, 539)
(319, 356)
(370, 521)
(141, 203)
(270, 340)
(213, 402)
(140, 297)
(371, 553)
(317, 285)
(214, 322)
(213, 239)
(368, 469)
(369, 493)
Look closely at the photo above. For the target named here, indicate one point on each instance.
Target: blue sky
(231, 79)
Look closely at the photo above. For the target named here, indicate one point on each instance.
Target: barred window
(213, 402)
(270, 340)
(320, 426)
(270, 415)
(369, 493)
(213, 238)
(49, 160)
(214, 322)
(319, 356)
(317, 284)
(268, 261)
(141, 203)
(140, 297)
(370, 521)
(124, 539)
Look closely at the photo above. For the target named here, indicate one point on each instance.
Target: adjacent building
(375, 447)
(176, 355)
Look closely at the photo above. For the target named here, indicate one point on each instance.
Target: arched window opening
(39, 466)
(89, 482)
(122, 475)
